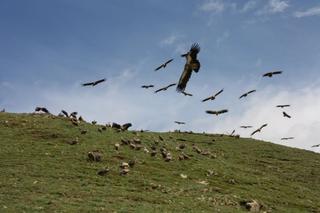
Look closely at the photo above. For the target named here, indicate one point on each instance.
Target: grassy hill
(40, 171)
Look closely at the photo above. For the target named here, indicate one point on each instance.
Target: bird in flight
(245, 127)
(147, 86)
(282, 106)
(179, 122)
(259, 130)
(317, 145)
(286, 115)
(288, 138)
(216, 112)
(213, 96)
(164, 88)
(163, 65)
(65, 113)
(247, 93)
(270, 74)
(186, 94)
(42, 109)
(94, 83)
(192, 63)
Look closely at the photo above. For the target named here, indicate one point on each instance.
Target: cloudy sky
(48, 48)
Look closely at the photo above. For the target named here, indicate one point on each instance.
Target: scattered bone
(183, 176)
(117, 146)
(145, 150)
(252, 205)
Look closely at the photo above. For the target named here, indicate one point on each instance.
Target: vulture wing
(99, 81)
(218, 93)
(206, 99)
(167, 62)
(276, 72)
(158, 68)
(88, 84)
(184, 78)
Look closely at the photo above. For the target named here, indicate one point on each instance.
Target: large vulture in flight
(164, 88)
(163, 65)
(217, 112)
(94, 83)
(192, 63)
(259, 130)
(247, 93)
(213, 96)
(270, 74)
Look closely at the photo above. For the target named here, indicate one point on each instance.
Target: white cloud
(214, 6)
(249, 5)
(314, 11)
(274, 6)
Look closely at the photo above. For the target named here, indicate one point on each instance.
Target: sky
(48, 48)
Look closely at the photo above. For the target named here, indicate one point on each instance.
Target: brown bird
(317, 145)
(259, 130)
(270, 74)
(213, 96)
(163, 65)
(246, 94)
(216, 112)
(192, 63)
(147, 86)
(179, 122)
(94, 83)
(164, 88)
(288, 138)
(282, 106)
(186, 94)
(245, 127)
(286, 115)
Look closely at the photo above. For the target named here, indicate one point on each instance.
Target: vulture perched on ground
(164, 88)
(213, 96)
(259, 130)
(147, 86)
(65, 113)
(286, 115)
(179, 122)
(94, 83)
(217, 112)
(282, 106)
(163, 65)
(42, 109)
(192, 63)
(247, 93)
(270, 74)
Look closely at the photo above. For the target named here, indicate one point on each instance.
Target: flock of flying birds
(193, 64)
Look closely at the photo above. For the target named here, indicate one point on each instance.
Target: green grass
(41, 172)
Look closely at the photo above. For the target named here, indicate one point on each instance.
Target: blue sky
(48, 48)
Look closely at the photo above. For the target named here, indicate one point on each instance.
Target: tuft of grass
(41, 172)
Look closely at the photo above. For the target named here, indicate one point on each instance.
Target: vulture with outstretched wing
(213, 96)
(247, 93)
(270, 74)
(282, 106)
(217, 112)
(147, 86)
(163, 65)
(186, 94)
(259, 130)
(192, 63)
(65, 113)
(94, 83)
(286, 115)
(164, 88)
(245, 127)
(179, 122)
(287, 138)
(42, 109)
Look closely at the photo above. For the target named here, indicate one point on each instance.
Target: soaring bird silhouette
(213, 96)
(179, 122)
(247, 93)
(282, 106)
(288, 138)
(245, 127)
(147, 86)
(164, 88)
(192, 63)
(270, 74)
(94, 83)
(317, 145)
(286, 115)
(186, 94)
(259, 130)
(217, 112)
(163, 65)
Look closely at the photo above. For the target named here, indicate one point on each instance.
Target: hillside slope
(40, 171)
